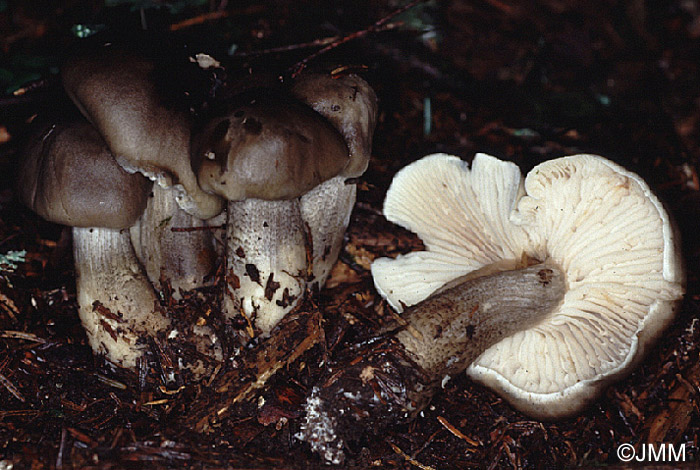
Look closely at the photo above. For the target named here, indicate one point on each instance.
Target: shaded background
(526, 81)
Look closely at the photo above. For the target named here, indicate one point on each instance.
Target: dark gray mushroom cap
(68, 176)
(267, 147)
(116, 92)
(350, 104)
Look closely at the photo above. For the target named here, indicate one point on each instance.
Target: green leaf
(86, 30)
(8, 261)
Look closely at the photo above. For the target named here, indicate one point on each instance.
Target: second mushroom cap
(269, 148)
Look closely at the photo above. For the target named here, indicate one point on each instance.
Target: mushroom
(350, 105)
(262, 155)
(394, 378)
(116, 91)
(68, 176)
(138, 131)
(597, 222)
(284, 169)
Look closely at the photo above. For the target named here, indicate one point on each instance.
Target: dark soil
(526, 81)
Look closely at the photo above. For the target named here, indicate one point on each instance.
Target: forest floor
(526, 81)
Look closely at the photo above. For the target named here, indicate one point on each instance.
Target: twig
(290, 47)
(301, 65)
(30, 93)
(410, 459)
(11, 388)
(161, 401)
(15, 413)
(82, 437)
(215, 15)
(111, 382)
(297, 333)
(457, 433)
(426, 443)
(29, 87)
(21, 335)
(9, 307)
(306, 45)
(201, 19)
(61, 449)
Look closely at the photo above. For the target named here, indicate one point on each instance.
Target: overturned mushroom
(283, 168)
(605, 280)
(597, 222)
(394, 379)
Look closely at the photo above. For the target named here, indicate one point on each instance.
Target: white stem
(266, 260)
(326, 211)
(184, 258)
(117, 305)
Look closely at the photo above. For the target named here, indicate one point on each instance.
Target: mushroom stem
(447, 332)
(326, 211)
(117, 305)
(266, 261)
(119, 308)
(182, 258)
(394, 379)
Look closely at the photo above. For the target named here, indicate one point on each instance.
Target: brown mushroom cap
(268, 147)
(350, 104)
(68, 176)
(116, 92)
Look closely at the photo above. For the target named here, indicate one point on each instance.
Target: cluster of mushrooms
(544, 288)
(275, 165)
